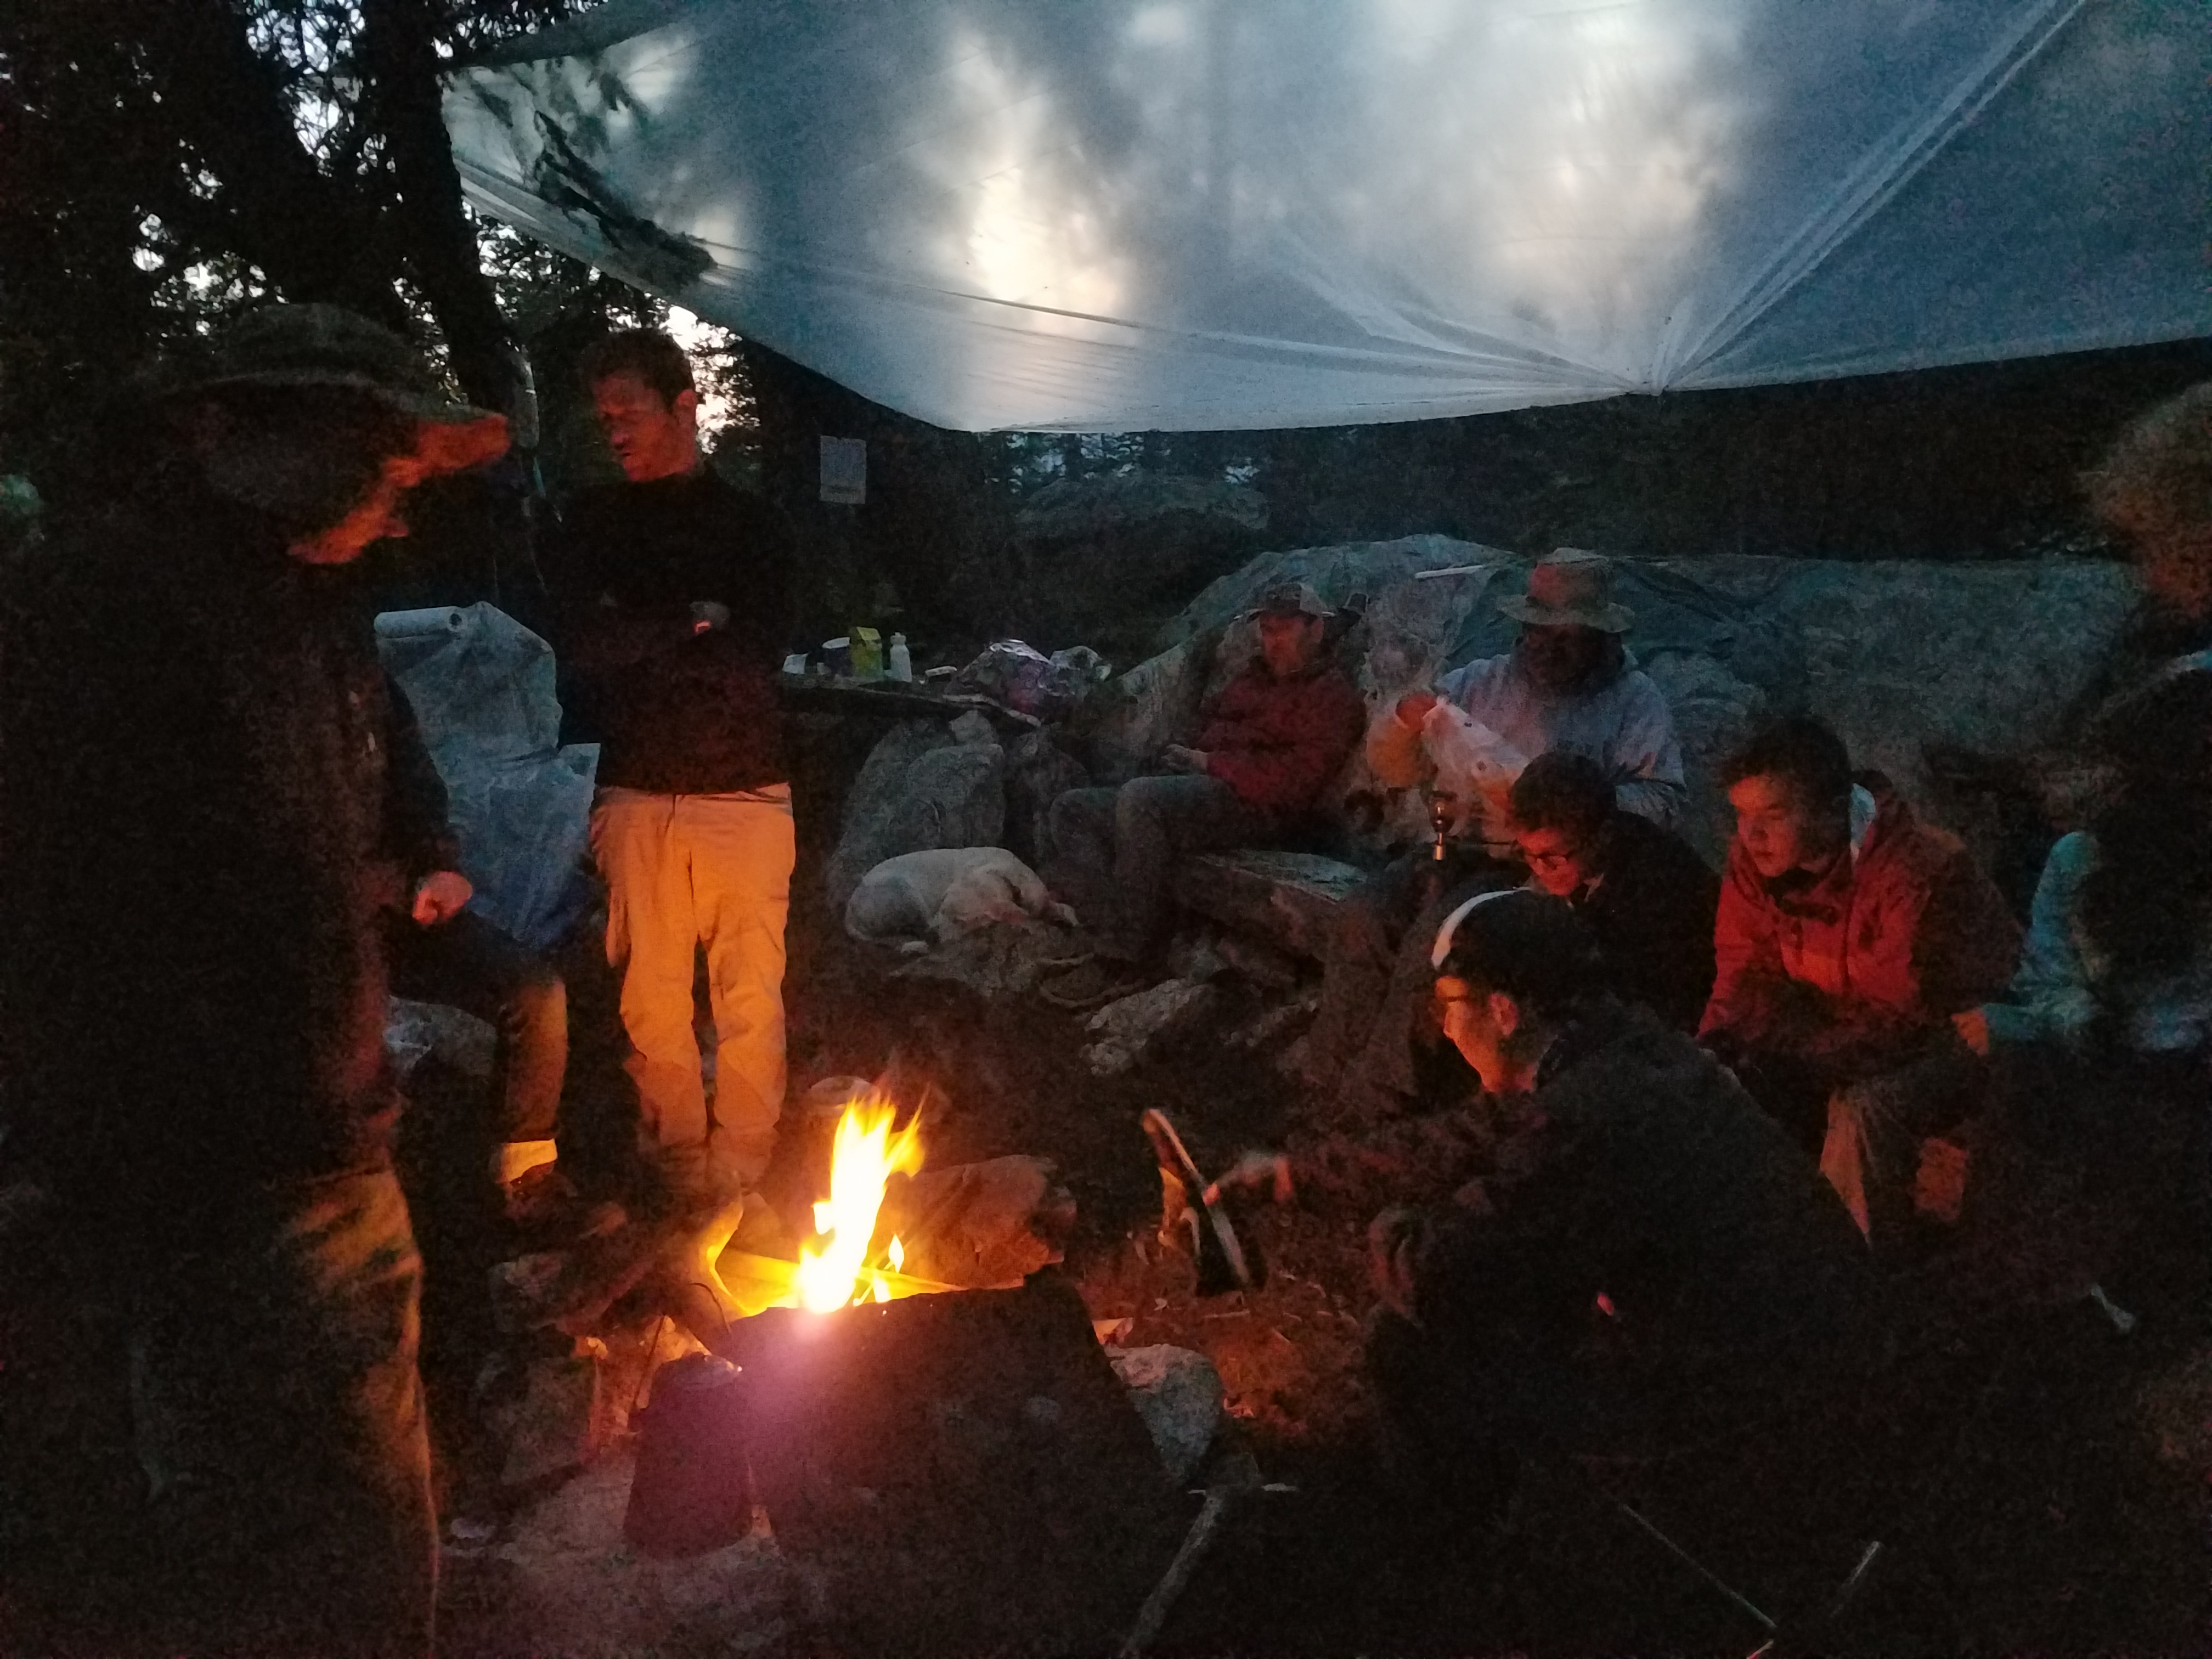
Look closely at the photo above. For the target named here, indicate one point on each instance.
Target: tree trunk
(312, 236)
(436, 239)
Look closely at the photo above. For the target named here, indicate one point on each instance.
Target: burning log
(888, 1230)
(981, 1226)
(971, 1226)
(867, 1154)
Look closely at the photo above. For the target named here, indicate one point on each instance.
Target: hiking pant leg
(1156, 820)
(741, 848)
(279, 1420)
(1080, 824)
(468, 963)
(652, 938)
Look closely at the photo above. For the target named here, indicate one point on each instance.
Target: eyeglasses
(1554, 857)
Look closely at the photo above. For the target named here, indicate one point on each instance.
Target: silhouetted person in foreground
(197, 1111)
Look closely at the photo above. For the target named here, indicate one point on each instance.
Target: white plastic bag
(481, 685)
(1475, 767)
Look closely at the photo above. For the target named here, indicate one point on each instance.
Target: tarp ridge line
(1816, 242)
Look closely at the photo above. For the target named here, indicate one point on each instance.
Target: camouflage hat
(309, 346)
(321, 345)
(1571, 587)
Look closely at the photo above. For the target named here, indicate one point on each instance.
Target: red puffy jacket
(1854, 972)
(1278, 743)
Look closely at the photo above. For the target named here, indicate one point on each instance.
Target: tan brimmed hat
(1571, 587)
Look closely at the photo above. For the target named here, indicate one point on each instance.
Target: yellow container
(867, 655)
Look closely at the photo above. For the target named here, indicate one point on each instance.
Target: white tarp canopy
(1116, 215)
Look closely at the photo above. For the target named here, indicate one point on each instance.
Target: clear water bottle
(901, 664)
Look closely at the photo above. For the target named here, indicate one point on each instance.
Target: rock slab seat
(1289, 899)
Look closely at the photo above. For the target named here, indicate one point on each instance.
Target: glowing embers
(868, 1151)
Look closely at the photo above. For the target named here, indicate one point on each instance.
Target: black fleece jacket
(1649, 1179)
(675, 710)
(1652, 916)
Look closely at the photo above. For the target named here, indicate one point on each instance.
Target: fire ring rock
(1178, 1394)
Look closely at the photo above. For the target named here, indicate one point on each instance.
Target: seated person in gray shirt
(1568, 685)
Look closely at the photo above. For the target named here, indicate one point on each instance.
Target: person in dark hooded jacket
(1656, 1264)
(195, 1102)
(1647, 898)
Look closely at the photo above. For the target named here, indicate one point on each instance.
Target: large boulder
(1038, 772)
(1714, 712)
(1399, 631)
(1902, 655)
(925, 785)
(1342, 575)
(1130, 719)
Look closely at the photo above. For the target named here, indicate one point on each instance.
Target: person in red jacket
(1848, 933)
(1266, 746)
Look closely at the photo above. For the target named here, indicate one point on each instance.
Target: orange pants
(683, 871)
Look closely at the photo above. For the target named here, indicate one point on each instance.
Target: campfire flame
(867, 1153)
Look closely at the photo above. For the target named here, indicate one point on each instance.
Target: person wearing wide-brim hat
(1571, 588)
(193, 774)
(1567, 683)
(322, 420)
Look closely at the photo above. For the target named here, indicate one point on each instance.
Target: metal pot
(692, 1491)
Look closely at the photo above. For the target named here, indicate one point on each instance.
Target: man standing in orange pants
(673, 589)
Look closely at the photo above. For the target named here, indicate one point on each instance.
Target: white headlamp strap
(1443, 944)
